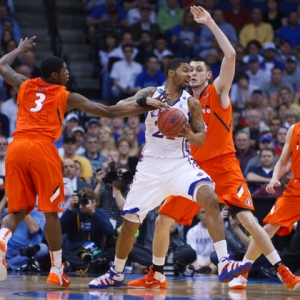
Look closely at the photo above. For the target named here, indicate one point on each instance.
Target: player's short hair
(199, 59)
(51, 64)
(174, 64)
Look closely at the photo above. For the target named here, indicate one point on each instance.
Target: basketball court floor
(202, 287)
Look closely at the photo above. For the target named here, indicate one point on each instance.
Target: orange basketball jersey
(218, 123)
(42, 106)
(295, 151)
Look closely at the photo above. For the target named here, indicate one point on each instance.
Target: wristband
(116, 192)
(142, 101)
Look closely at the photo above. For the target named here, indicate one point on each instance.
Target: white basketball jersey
(157, 145)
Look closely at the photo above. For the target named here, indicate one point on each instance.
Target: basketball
(170, 122)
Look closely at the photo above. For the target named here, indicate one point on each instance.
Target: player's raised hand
(270, 187)
(26, 44)
(201, 16)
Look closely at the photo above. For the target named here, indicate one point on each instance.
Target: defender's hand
(26, 44)
(271, 185)
(201, 16)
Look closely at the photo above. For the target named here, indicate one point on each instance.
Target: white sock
(56, 258)
(158, 261)
(119, 264)
(245, 259)
(221, 249)
(273, 257)
(5, 235)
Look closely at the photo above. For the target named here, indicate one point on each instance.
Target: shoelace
(149, 275)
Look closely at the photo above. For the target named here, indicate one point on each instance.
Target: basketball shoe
(229, 269)
(111, 278)
(58, 277)
(238, 283)
(290, 281)
(3, 270)
(153, 280)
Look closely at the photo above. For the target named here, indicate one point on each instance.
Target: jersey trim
(223, 123)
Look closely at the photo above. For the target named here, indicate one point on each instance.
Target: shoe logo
(149, 282)
(67, 280)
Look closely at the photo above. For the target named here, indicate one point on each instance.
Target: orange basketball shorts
(231, 189)
(33, 172)
(286, 210)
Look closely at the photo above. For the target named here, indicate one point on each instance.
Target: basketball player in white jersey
(166, 168)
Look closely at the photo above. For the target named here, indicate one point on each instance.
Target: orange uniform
(286, 210)
(33, 166)
(217, 158)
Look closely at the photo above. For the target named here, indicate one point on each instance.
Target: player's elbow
(231, 54)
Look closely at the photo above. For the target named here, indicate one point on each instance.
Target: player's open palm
(270, 187)
(26, 44)
(201, 16)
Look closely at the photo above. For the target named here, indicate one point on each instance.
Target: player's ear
(170, 73)
(209, 75)
(54, 76)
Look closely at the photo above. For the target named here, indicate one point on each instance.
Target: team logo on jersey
(160, 90)
(184, 98)
(61, 205)
(248, 202)
(200, 174)
(180, 105)
(206, 109)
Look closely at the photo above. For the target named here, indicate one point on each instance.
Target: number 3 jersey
(157, 145)
(41, 109)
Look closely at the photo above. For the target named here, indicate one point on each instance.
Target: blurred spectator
(135, 14)
(93, 126)
(145, 23)
(257, 77)
(133, 122)
(84, 225)
(240, 66)
(9, 46)
(105, 121)
(79, 132)
(185, 35)
(112, 156)
(242, 90)
(206, 34)
(71, 121)
(126, 161)
(29, 60)
(106, 140)
(291, 74)
(124, 73)
(213, 58)
(280, 140)
(3, 148)
(271, 89)
(69, 145)
(10, 109)
(257, 100)
(6, 36)
(170, 16)
(4, 125)
(253, 49)
(92, 153)
(291, 117)
(257, 30)
(110, 43)
(237, 16)
(4, 16)
(281, 112)
(99, 14)
(117, 125)
(253, 118)
(268, 114)
(145, 47)
(243, 150)
(28, 232)
(161, 48)
(291, 31)
(265, 171)
(200, 240)
(286, 97)
(270, 61)
(131, 137)
(152, 76)
(273, 15)
(274, 125)
(285, 51)
(24, 70)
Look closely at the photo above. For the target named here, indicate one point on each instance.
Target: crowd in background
(131, 42)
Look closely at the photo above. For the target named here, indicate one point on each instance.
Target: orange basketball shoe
(290, 281)
(3, 270)
(149, 281)
(58, 277)
(238, 283)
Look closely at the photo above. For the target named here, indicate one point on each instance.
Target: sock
(274, 259)
(245, 259)
(158, 264)
(56, 258)
(221, 249)
(5, 235)
(119, 264)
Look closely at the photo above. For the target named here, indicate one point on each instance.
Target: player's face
(182, 76)
(199, 74)
(63, 75)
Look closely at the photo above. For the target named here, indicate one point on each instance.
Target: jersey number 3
(38, 102)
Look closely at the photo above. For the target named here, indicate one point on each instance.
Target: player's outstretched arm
(281, 166)
(78, 101)
(224, 80)
(197, 135)
(9, 75)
